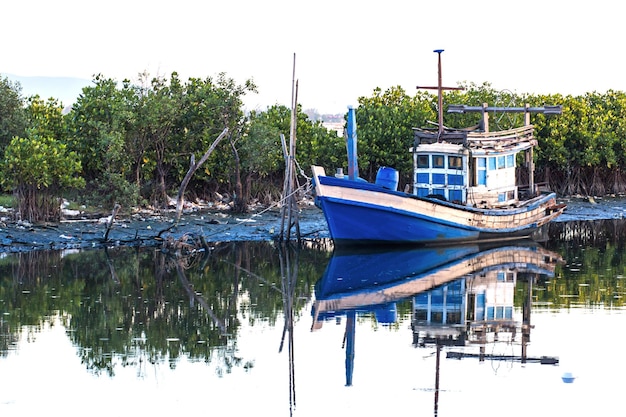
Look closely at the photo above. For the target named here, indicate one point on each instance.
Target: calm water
(257, 329)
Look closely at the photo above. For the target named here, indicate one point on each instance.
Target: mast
(439, 92)
(440, 89)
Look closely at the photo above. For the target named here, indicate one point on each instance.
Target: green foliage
(135, 140)
(36, 169)
(384, 130)
(314, 143)
(12, 115)
(7, 200)
(99, 123)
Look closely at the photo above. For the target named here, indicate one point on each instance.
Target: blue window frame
(438, 161)
(454, 179)
(482, 177)
(455, 195)
(510, 161)
(423, 161)
(481, 174)
(423, 177)
(439, 179)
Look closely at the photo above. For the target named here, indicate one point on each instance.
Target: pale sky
(344, 49)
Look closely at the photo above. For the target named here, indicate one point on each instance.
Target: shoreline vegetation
(131, 142)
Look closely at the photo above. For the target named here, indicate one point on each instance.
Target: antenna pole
(439, 91)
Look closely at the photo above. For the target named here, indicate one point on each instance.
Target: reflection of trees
(27, 295)
(595, 265)
(132, 307)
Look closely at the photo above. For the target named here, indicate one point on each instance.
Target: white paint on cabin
(474, 178)
(441, 169)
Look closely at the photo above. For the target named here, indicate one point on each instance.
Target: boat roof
(509, 140)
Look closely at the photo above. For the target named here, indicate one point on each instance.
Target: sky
(342, 49)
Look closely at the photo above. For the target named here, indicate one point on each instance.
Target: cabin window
(439, 191)
(501, 162)
(455, 162)
(492, 163)
(423, 177)
(438, 161)
(421, 314)
(480, 306)
(423, 161)
(481, 171)
(453, 317)
(510, 161)
(506, 196)
(422, 192)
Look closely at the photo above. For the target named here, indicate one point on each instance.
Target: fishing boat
(464, 186)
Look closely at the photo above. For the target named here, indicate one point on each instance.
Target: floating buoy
(568, 377)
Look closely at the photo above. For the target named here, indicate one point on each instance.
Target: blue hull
(354, 223)
(362, 213)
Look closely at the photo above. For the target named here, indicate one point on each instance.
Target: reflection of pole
(350, 334)
(180, 270)
(289, 274)
(526, 318)
(437, 378)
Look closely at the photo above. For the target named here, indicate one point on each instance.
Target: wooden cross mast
(440, 89)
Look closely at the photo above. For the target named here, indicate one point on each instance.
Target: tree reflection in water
(133, 307)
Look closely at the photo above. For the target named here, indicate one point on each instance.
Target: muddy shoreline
(212, 225)
(151, 230)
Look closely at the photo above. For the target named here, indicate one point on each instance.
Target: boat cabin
(457, 174)
(474, 167)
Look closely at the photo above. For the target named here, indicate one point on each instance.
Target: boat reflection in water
(462, 296)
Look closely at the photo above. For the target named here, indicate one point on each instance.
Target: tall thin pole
(439, 91)
(289, 199)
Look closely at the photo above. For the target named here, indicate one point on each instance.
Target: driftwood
(193, 167)
(110, 222)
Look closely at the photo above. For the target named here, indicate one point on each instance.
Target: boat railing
(509, 137)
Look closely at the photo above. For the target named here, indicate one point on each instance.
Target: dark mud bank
(216, 226)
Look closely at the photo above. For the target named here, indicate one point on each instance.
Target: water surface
(257, 328)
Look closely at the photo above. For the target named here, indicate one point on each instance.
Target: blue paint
(387, 178)
(351, 145)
